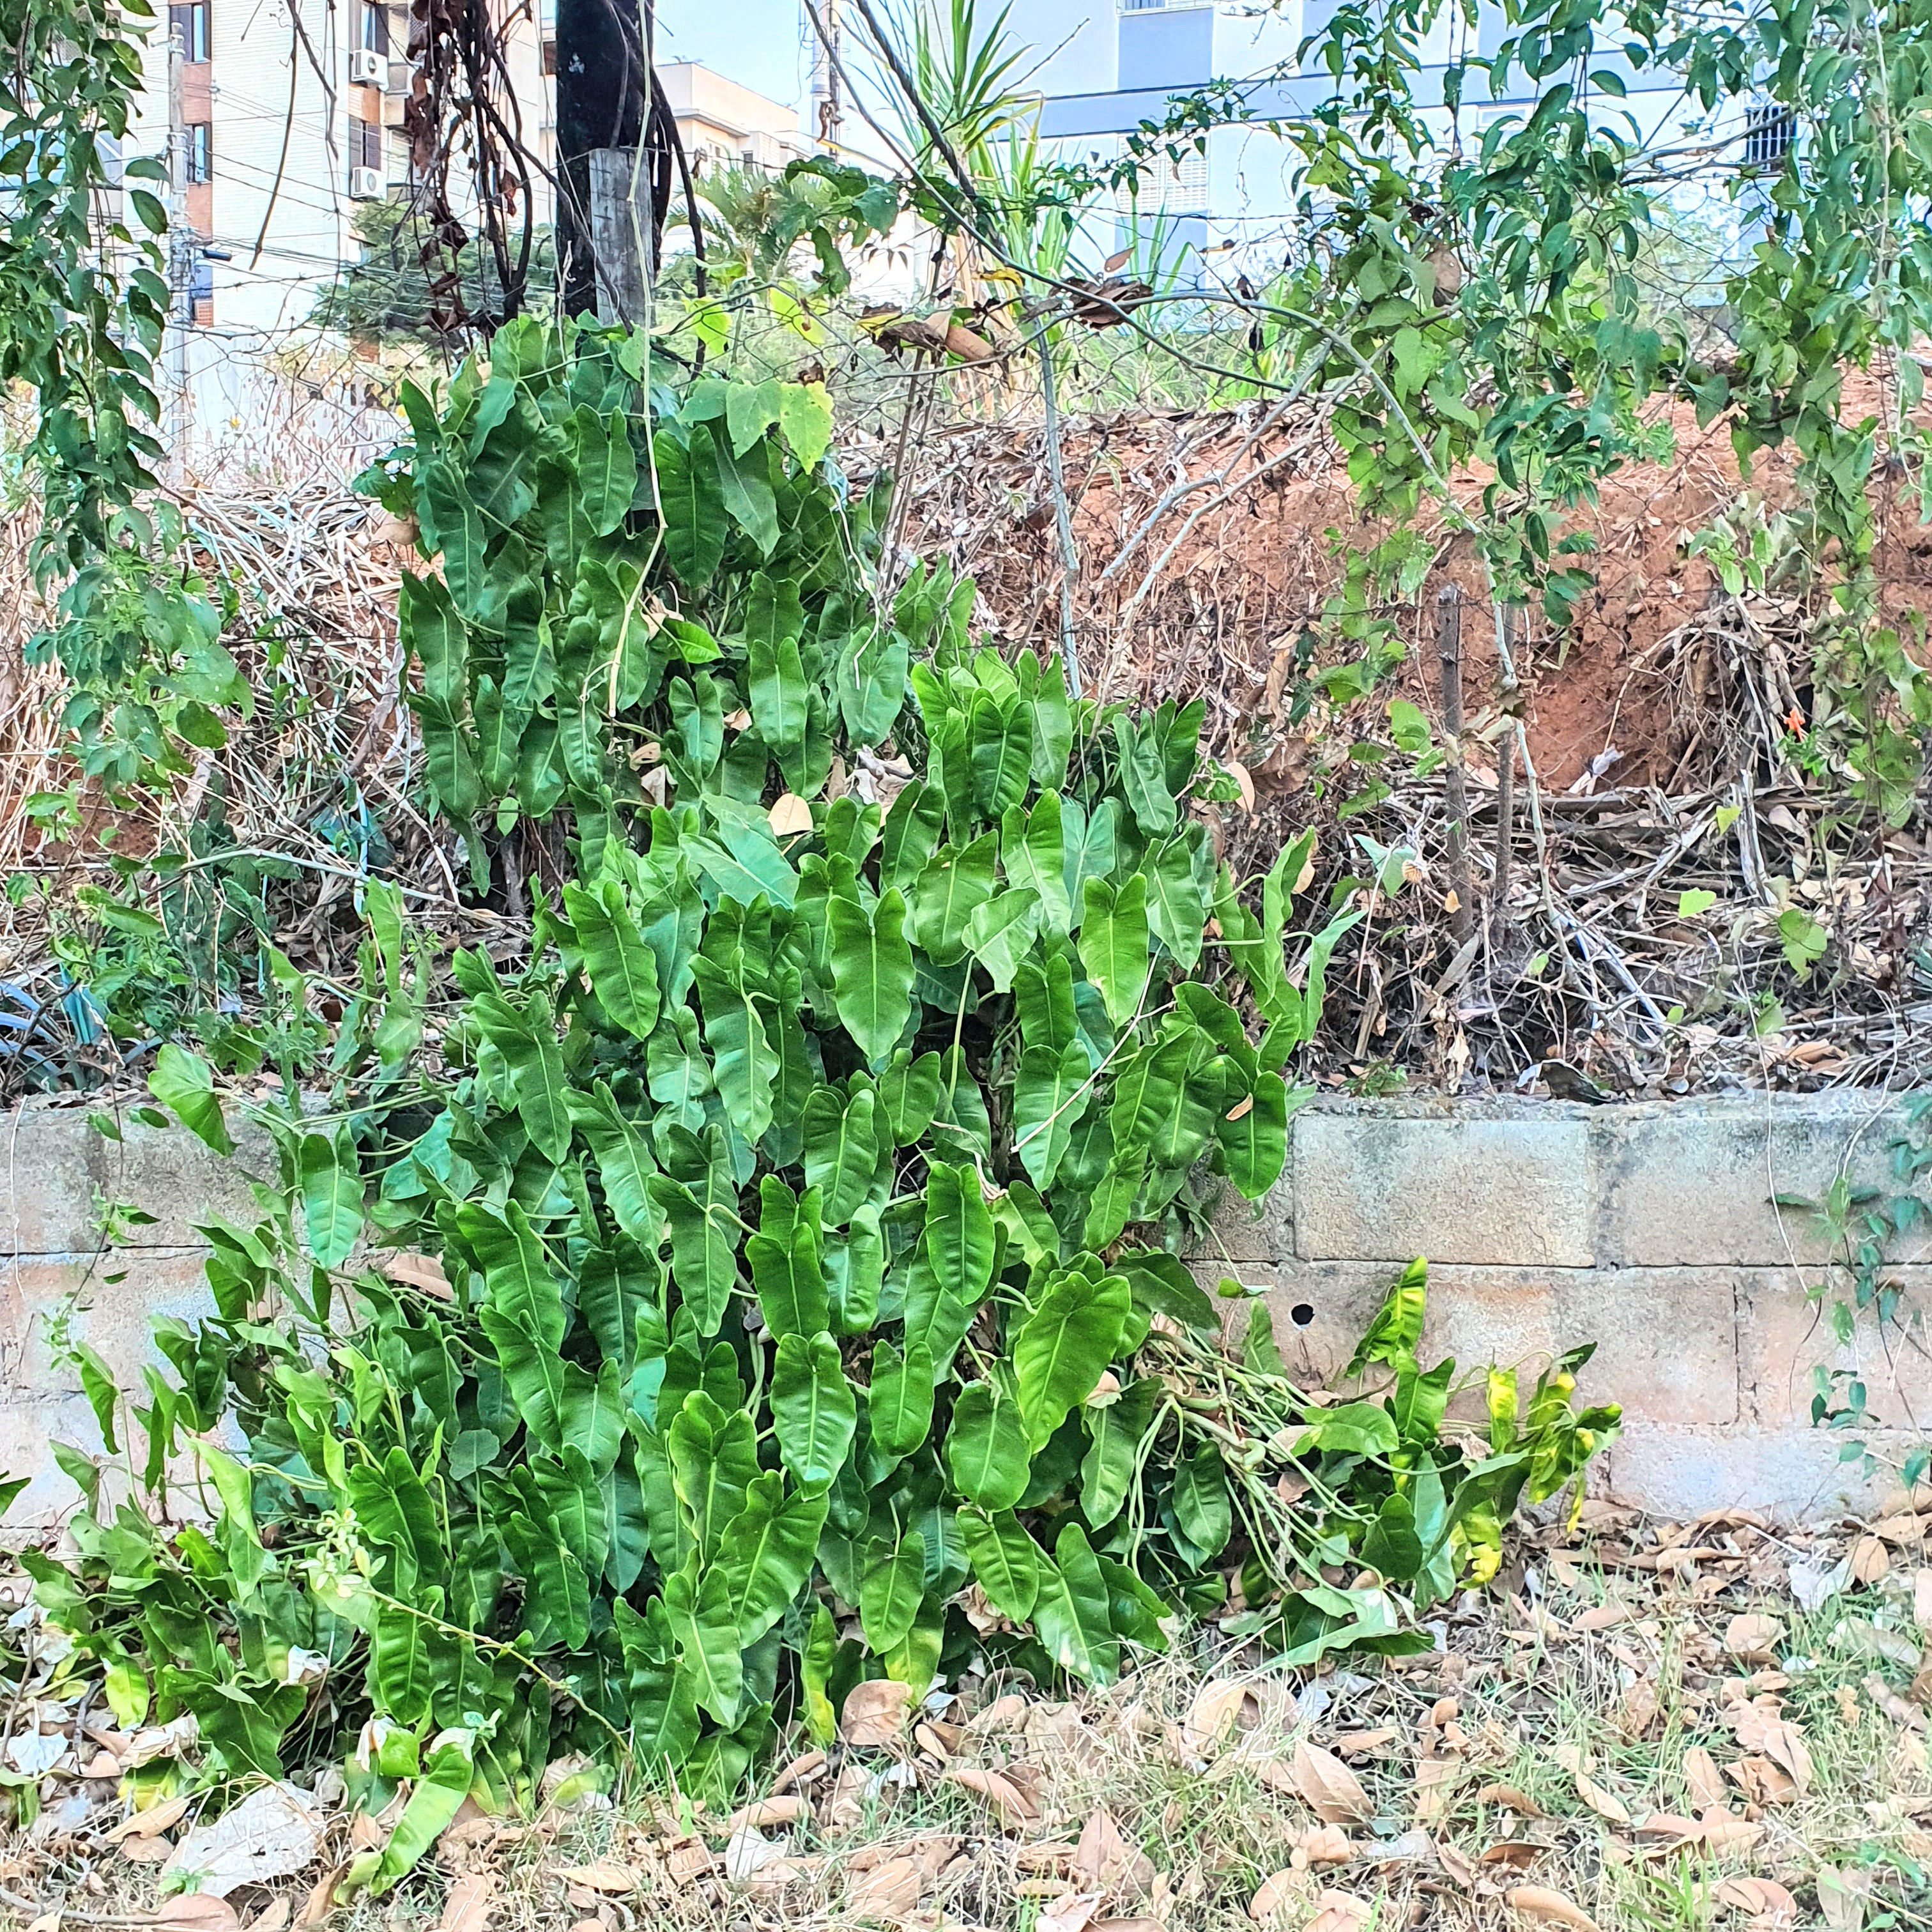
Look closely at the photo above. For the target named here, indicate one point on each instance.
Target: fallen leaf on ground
(1893, 1706)
(603, 1875)
(1921, 1601)
(1869, 1559)
(195, 1912)
(1510, 1799)
(1072, 1911)
(321, 1900)
(749, 1851)
(1517, 1854)
(800, 1771)
(875, 1712)
(1842, 1897)
(1753, 1637)
(1274, 1894)
(1330, 1789)
(1325, 1845)
(887, 1893)
(1111, 1861)
(762, 1814)
(1702, 1779)
(1219, 1709)
(273, 1916)
(1763, 1900)
(1015, 1804)
(789, 813)
(1724, 1830)
(1549, 1907)
(1364, 1743)
(1605, 1803)
(150, 1823)
(467, 1907)
(273, 1833)
(1776, 1737)
(1340, 1911)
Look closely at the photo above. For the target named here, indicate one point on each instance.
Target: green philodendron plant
(767, 1282)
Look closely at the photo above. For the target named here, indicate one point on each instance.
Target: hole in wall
(1302, 1314)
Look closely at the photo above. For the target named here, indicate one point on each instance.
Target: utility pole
(604, 94)
(828, 106)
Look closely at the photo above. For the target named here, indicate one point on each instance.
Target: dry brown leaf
(1670, 1825)
(800, 1771)
(1893, 1706)
(1702, 1779)
(1435, 1781)
(1340, 1911)
(195, 1912)
(789, 813)
(1219, 1710)
(1365, 1744)
(424, 1273)
(1510, 1799)
(1274, 1894)
(1870, 1560)
(1753, 1637)
(273, 1916)
(1642, 1706)
(1110, 1861)
(1775, 1737)
(1514, 1854)
(146, 1851)
(472, 1896)
(1605, 1616)
(888, 1893)
(1724, 1830)
(763, 1813)
(1547, 1906)
(1007, 1794)
(1070, 1911)
(321, 1900)
(274, 1832)
(1003, 1714)
(151, 1823)
(690, 1860)
(875, 1712)
(1605, 1803)
(604, 1875)
(1458, 1864)
(1904, 1532)
(1763, 1901)
(1325, 1845)
(1129, 1925)
(1329, 1788)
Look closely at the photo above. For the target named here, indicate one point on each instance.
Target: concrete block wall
(57, 1176)
(1649, 1229)
(1652, 1230)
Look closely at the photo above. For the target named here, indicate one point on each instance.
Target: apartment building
(722, 123)
(1112, 65)
(285, 116)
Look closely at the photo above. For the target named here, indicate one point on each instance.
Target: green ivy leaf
(332, 1194)
(1114, 943)
(183, 1083)
(705, 1624)
(1072, 1612)
(892, 1590)
(899, 1403)
(1049, 1100)
(694, 506)
(766, 1554)
(986, 1449)
(1005, 1559)
(1063, 1347)
(871, 971)
(622, 969)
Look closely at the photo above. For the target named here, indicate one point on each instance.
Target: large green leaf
(704, 1621)
(527, 1041)
(432, 632)
(815, 1412)
(606, 469)
(1001, 755)
(899, 1403)
(714, 1457)
(184, 1082)
(1254, 1136)
(744, 1062)
(1114, 943)
(622, 969)
(1050, 1094)
(433, 1803)
(1072, 1612)
(954, 883)
(892, 1589)
(787, 1264)
(986, 1448)
(778, 691)
(1005, 1559)
(871, 971)
(1202, 1507)
(909, 1092)
(841, 1151)
(1115, 1432)
(695, 528)
(766, 1553)
(624, 1165)
(704, 1247)
(955, 1262)
(1062, 1349)
(331, 1194)
(1000, 931)
(1033, 852)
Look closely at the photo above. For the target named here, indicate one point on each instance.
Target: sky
(754, 42)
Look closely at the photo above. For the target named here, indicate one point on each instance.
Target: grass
(1513, 1778)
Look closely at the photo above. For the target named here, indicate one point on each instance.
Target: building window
(372, 27)
(189, 25)
(200, 155)
(1769, 134)
(550, 55)
(365, 144)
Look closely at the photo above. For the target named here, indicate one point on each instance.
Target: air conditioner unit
(365, 184)
(397, 79)
(367, 68)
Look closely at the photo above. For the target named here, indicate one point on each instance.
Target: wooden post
(620, 234)
(1449, 651)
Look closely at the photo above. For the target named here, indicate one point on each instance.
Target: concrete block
(180, 1180)
(114, 1318)
(1513, 1192)
(1253, 1231)
(1694, 1184)
(49, 1167)
(1785, 1334)
(1791, 1475)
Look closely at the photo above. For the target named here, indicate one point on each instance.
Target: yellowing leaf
(1543, 1905)
(1328, 1787)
